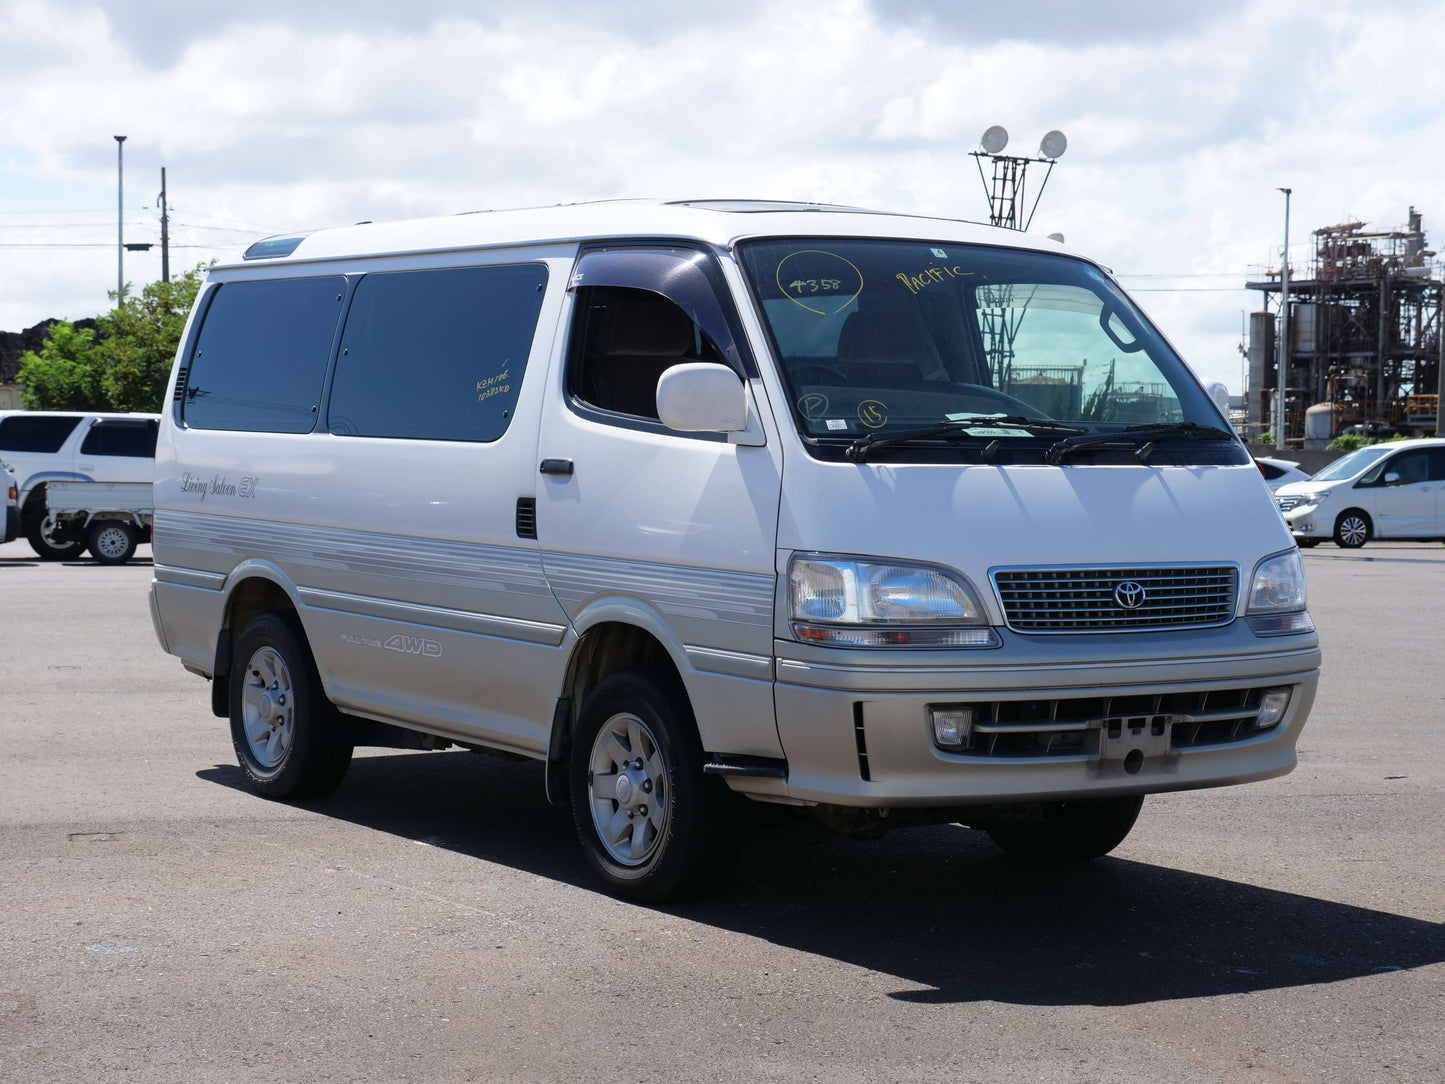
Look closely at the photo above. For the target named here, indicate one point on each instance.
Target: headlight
(1278, 585)
(853, 602)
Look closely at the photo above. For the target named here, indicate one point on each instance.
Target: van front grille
(1072, 727)
(1060, 600)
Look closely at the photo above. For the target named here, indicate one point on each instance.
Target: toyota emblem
(1129, 595)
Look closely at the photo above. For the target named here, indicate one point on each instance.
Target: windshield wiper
(859, 450)
(1147, 433)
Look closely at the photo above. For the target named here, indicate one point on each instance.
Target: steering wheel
(1015, 406)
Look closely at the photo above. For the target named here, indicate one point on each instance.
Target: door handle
(557, 466)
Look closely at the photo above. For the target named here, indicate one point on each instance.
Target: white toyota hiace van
(898, 519)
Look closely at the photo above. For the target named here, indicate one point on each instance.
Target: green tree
(125, 364)
(64, 374)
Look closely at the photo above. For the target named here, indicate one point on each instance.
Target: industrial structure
(1364, 338)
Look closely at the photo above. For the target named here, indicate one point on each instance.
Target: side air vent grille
(526, 517)
(181, 383)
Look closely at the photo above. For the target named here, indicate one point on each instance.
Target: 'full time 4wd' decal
(407, 645)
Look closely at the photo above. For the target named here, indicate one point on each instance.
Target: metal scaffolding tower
(1365, 336)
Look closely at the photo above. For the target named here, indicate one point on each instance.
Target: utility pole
(1281, 353)
(119, 219)
(165, 232)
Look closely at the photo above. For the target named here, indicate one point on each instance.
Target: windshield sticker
(873, 414)
(836, 423)
(931, 275)
(813, 406)
(824, 283)
(939, 253)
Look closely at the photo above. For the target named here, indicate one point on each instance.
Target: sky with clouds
(1182, 118)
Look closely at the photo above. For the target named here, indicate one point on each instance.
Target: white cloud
(1182, 120)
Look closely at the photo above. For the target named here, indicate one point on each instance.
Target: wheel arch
(31, 497)
(611, 635)
(252, 588)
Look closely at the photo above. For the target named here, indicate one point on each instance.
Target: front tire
(653, 826)
(1307, 543)
(111, 541)
(1353, 529)
(288, 737)
(1077, 831)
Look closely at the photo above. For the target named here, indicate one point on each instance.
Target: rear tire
(653, 826)
(288, 737)
(111, 541)
(48, 543)
(1077, 831)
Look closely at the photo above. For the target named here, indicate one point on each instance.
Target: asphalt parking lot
(434, 920)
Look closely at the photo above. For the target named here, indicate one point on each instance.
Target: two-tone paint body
(423, 606)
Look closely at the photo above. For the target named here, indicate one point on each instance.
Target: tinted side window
(136, 439)
(19, 433)
(1411, 466)
(1437, 464)
(436, 355)
(1269, 470)
(261, 355)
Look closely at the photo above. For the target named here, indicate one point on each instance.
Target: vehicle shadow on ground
(939, 908)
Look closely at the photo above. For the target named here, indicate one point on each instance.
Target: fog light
(951, 726)
(1272, 707)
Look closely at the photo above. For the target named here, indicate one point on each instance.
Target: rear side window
(436, 355)
(261, 356)
(1269, 470)
(135, 439)
(19, 433)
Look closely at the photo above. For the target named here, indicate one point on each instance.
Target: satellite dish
(995, 139)
(1053, 145)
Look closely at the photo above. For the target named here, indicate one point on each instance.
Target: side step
(769, 767)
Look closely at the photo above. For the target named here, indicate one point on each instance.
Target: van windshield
(880, 337)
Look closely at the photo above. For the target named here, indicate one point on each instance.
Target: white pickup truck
(110, 518)
(46, 446)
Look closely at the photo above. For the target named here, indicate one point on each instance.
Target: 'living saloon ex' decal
(218, 486)
(407, 645)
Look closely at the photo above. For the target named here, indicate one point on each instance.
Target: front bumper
(1306, 522)
(859, 734)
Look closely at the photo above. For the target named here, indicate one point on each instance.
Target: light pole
(119, 219)
(1281, 353)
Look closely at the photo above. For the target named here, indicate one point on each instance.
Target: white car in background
(1279, 472)
(42, 446)
(1391, 491)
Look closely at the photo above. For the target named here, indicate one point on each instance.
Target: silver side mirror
(1391, 478)
(702, 397)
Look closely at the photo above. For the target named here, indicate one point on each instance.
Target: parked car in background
(9, 505)
(44, 445)
(1280, 472)
(1388, 491)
